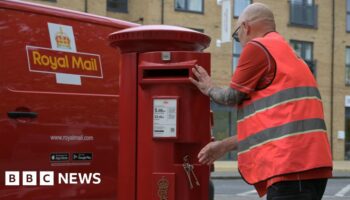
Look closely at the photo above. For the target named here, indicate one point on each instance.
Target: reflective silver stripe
(279, 132)
(284, 96)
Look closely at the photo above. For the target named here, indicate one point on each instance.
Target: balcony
(303, 15)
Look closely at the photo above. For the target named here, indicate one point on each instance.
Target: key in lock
(189, 170)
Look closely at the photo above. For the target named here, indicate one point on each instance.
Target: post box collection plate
(165, 117)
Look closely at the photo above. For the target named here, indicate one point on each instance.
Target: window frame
(347, 65)
(292, 22)
(235, 55)
(312, 61)
(189, 11)
(112, 9)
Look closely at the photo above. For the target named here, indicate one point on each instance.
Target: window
(347, 66)
(225, 121)
(348, 15)
(196, 29)
(303, 13)
(239, 6)
(347, 133)
(117, 5)
(190, 5)
(305, 51)
(237, 49)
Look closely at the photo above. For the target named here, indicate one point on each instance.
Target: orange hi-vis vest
(281, 128)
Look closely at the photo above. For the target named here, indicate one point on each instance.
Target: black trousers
(297, 190)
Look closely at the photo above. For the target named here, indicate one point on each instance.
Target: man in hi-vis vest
(282, 143)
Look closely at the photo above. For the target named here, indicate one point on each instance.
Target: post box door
(173, 125)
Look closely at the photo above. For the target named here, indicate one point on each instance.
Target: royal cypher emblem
(163, 187)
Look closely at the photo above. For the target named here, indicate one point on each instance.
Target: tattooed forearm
(225, 96)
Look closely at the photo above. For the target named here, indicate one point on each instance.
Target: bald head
(259, 16)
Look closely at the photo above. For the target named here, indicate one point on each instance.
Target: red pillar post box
(164, 119)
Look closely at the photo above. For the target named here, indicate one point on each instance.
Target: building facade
(318, 30)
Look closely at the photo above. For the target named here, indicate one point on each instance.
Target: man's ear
(246, 28)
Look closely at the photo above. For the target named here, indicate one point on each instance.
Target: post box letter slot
(165, 73)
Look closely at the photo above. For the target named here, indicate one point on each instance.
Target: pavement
(229, 170)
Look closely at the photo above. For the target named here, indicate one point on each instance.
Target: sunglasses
(235, 35)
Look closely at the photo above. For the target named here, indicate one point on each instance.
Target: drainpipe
(162, 13)
(86, 6)
(332, 73)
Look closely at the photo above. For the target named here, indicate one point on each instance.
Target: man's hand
(215, 150)
(204, 82)
(211, 152)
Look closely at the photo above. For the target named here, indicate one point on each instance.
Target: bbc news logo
(47, 178)
(29, 178)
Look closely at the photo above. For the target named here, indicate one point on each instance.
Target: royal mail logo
(62, 39)
(47, 178)
(63, 59)
(51, 61)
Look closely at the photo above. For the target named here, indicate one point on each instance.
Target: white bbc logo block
(46, 178)
(12, 178)
(29, 178)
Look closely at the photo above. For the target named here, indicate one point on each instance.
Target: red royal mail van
(59, 103)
